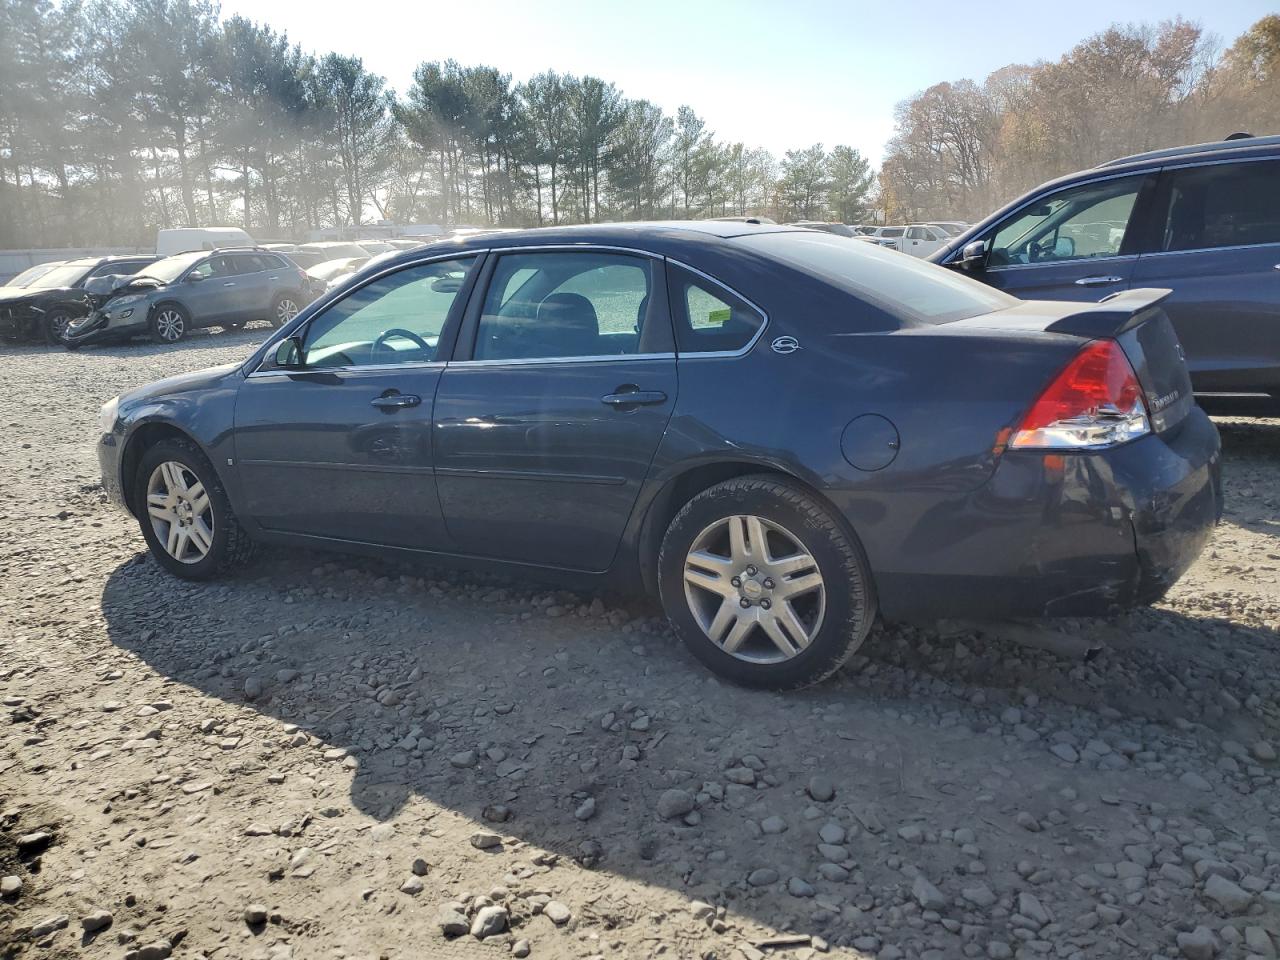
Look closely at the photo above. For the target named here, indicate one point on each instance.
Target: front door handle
(634, 398)
(1097, 281)
(395, 401)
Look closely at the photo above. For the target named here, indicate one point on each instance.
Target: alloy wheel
(286, 310)
(180, 510)
(754, 589)
(171, 325)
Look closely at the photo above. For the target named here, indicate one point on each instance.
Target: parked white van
(186, 239)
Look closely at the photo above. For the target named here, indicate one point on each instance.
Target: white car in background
(922, 239)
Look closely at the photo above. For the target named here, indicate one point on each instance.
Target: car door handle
(395, 401)
(229, 283)
(1097, 281)
(633, 398)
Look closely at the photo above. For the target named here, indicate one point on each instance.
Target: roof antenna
(1239, 135)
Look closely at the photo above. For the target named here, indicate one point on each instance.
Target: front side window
(1074, 224)
(708, 318)
(213, 267)
(1223, 205)
(542, 306)
(394, 319)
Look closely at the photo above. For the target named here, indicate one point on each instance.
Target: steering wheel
(385, 335)
(1040, 252)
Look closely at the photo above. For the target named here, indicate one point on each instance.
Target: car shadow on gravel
(503, 702)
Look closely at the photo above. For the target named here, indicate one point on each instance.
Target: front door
(339, 446)
(1068, 245)
(1217, 247)
(548, 418)
(209, 291)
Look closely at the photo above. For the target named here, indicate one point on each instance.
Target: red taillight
(1095, 402)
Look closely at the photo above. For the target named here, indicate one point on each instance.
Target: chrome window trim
(1274, 157)
(530, 361)
(1112, 258)
(723, 354)
(348, 368)
(574, 248)
(285, 332)
(1234, 246)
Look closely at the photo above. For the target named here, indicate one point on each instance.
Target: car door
(918, 241)
(550, 413)
(1216, 245)
(208, 290)
(254, 286)
(338, 444)
(1070, 244)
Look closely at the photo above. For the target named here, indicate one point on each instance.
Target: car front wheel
(169, 323)
(763, 585)
(55, 326)
(184, 512)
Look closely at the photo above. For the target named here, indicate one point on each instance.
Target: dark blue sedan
(780, 432)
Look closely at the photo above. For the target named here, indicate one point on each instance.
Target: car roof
(1215, 148)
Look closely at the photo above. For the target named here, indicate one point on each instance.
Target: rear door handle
(395, 401)
(1097, 281)
(634, 398)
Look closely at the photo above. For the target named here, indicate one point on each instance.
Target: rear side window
(1223, 205)
(906, 288)
(708, 318)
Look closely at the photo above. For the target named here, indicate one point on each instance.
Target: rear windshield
(901, 285)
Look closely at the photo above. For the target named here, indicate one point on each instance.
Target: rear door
(1072, 244)
(1215, 242)
(253, 285)
(549, 415)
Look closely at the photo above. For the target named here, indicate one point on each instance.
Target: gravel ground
(332, 757)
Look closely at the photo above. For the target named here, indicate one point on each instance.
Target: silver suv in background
(173, 296)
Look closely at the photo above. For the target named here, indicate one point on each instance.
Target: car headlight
(107, 415)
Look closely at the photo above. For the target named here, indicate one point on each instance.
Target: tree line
(961, 149)
(121, 116)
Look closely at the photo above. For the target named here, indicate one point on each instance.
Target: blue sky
(773, 74)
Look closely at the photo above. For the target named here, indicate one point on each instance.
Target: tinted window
(545, 305)
(915, 233)
(394, 319)
(1074, 224)
(708, 318)
(1223, 205)
(213, 267)
(905, 287)
(891, 232)
(246, 263)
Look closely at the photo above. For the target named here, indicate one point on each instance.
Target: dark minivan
(1202, 221)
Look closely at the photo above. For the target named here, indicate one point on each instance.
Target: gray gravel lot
(332, 757)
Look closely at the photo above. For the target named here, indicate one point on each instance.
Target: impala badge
(785, 345)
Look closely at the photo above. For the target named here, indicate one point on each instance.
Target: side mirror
(1064, 248)
(973, 256)
(196, 277)
(289, 355)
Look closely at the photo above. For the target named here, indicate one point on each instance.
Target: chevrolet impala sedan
(781, 434)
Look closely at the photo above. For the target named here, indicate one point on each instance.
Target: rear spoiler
(1113, 315)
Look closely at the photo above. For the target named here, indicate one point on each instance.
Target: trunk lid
(1136, 321)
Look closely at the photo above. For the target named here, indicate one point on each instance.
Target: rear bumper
(1067, 535)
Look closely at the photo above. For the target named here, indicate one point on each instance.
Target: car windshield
(334, 251)
(171, 268)
(30, 274)
(905, 287)
(67, 275)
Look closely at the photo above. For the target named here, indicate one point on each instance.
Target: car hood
(182, 383)
(14, 294)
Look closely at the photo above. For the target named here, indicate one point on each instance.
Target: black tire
(230, 546)
(850, 601)
(284, 308)
(54, 326)
(169, 323)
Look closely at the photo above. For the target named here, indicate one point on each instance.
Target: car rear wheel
(169, 323)
(55, 326)
(283, 310)
(763, 585)
(184, 512)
